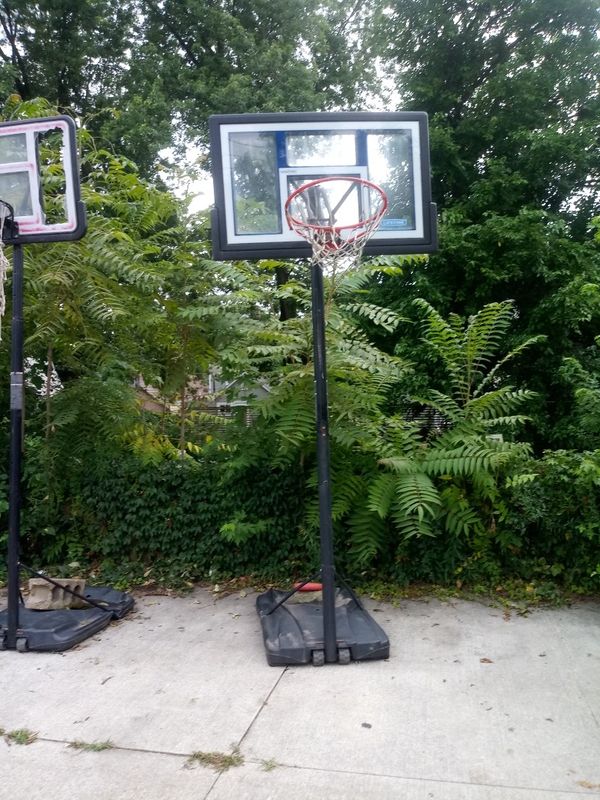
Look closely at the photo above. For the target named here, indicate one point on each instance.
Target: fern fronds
(490, 377)
(400, 464)
(442, 403)
(460, 518)
(511, 421)
(485, 334)
(409, 527)
(346, 490)
(467, 351)
(367, 535)
(382, 492)
(239, 529)
(382, 317)
(467, 460)
(447, 342)
(416, 496)
(497, 403)
(295, 425)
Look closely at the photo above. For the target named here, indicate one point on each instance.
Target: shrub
(127, 511)
(553, 523)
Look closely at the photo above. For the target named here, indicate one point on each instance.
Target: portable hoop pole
(16, 436)
(324, 482)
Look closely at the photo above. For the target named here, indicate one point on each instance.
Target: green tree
(147, 74)
(69, 52)
(391, 480)
(91, 319)
(511, 90)
(246, 56)
(511, 93)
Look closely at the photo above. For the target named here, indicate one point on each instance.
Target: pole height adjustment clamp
(16, 391)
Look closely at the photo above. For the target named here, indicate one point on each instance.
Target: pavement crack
(262, 705)
(212, 786)
(443, 781)
(124, 748)
(249, 728)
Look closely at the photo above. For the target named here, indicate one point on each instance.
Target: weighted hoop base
(293, 632)
(55, 631)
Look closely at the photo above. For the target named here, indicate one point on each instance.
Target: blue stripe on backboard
(281, 149)
(362, 157)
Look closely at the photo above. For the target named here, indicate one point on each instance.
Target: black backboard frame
(223, 250)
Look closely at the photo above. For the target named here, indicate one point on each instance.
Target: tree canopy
(147, 73)
(512, 94)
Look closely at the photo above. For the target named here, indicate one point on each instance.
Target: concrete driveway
(475, 703)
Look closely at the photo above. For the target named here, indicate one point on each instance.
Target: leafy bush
(547, 536)
(203, 518)
(133, 514)
(128, 511)
(552, 527)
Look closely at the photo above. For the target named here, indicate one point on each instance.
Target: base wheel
(22, 645)
(318, 658)
(344, 655)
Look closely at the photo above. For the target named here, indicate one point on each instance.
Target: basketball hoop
(336, 215)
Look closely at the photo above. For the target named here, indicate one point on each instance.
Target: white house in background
(213, 395)
(224, 397)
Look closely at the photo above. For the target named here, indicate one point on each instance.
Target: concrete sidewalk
(473, 704)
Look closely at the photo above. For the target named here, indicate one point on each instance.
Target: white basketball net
(4, 262)
(336, 247)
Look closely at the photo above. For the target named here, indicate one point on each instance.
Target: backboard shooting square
(259, 159)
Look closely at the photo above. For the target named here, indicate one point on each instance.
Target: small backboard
(258, 160)
(39, 179)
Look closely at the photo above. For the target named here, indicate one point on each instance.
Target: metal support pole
(16, 427)
(322, 419)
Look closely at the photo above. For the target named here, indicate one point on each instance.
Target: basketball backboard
(258, 160)
(39, 179)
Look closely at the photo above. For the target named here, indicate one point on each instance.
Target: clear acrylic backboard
(258, 160)
(39, 179)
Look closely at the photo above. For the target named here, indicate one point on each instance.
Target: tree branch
(9, 26)
(185, 45)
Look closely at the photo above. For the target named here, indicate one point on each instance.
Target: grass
(509, 593)
(220, 762)
(269, 764)
(20, 736)
(91, 747)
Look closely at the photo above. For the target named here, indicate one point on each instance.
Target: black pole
(322, 419)
(16, 427)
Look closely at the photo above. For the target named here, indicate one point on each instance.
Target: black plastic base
(55, 631)
(118, 603)
(293, 633)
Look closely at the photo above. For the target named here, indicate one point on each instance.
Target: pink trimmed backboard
(39, 179)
